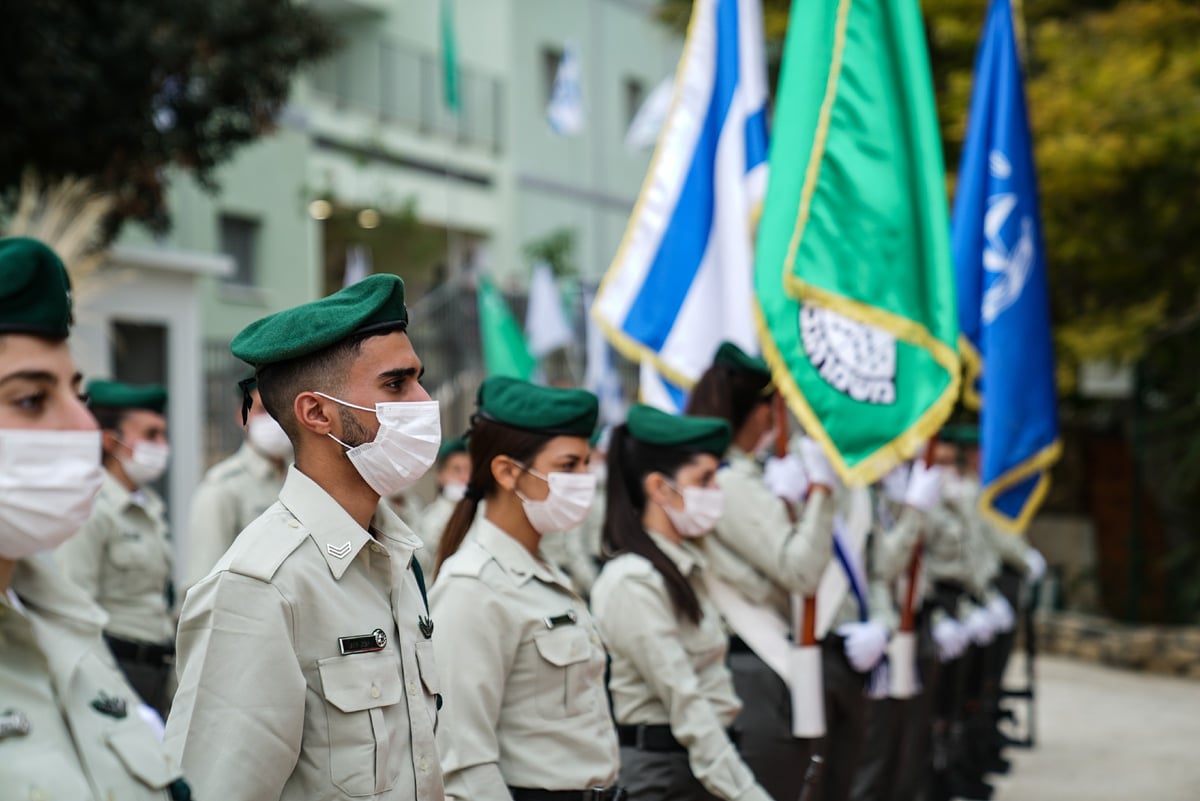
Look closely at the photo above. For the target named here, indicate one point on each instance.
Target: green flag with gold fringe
(853, 276)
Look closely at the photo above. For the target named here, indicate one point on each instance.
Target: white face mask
(147, 463)
(566, 506)
(702, 507)
(960, 489)
(454, 491)
(268, 437)
(404, 448)
(48, 482)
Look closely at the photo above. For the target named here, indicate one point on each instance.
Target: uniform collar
(513, 557)
(118, 497)
(256, 464)
(337, 535)
(686, 556)
(741, 461)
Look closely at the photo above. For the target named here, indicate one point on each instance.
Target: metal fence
(405, 86)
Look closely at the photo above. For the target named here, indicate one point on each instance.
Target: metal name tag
(363, 643)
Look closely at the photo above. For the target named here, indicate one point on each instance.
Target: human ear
(505, 472)
(312, 414)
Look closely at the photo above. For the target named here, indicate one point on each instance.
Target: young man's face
(386, 370)
(39, 386)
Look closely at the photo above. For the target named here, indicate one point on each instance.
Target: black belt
(143, 653)
(657, 738)
(592, 794)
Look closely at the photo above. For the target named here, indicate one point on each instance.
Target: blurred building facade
(369, 170)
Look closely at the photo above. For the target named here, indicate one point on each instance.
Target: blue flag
(1000, 266)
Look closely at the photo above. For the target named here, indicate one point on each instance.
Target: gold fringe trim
(973, 367)
(1040, 462)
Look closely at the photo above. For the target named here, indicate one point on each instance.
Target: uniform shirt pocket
(427, 667)
(142, 755)
(564, 671)
(361, 692)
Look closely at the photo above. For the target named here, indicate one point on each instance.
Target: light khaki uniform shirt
(524, 680)
(429, 526)
(668, 670)
(273, 701)
(568, 550)
(122, 559)
(756, 548)
(233, 493)
(69, 723)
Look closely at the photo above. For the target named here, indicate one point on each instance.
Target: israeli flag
(565, 110)
(1004, 311)
(682, 280)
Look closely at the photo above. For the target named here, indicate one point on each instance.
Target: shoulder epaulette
(467, 562)
(266, 544)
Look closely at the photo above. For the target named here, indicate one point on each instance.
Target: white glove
(895, 483)
(1036, 563)
(786, 478)
(951, 639)
(924, 486)
(816, 463)
(1001, 613)
(865, 643)
(979, 626)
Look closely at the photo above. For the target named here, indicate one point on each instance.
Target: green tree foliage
(123, 90)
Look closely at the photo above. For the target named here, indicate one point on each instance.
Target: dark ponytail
(729, 393)
(629, 462)
(485, 442)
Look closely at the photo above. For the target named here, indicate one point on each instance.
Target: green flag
(853, 276)
(449, 58)
(504, 348)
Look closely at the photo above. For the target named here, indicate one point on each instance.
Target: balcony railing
(403, 86)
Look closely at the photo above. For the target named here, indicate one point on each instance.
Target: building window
(239, 239)
(635, 95)
(551, 58)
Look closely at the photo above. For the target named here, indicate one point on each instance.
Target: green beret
(960, 434)
(543, 410)
(450, 447)
(35, 291)
(114, 394)
(373, 305)
(700, 434)
(733, 357)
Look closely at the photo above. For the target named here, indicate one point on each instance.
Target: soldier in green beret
(122, 557)
(773, 541)
(305, 656)
(70, 724)
(529, 719)
(235, 491)
(672, 693)
(453, 473)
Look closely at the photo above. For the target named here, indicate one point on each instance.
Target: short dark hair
(109, 418)
(323, 371)
(729, 394)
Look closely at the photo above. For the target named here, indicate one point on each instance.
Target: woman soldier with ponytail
(672, 694)
(526, 717)
(760, 556)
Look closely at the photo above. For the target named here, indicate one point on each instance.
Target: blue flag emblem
(1000, 267)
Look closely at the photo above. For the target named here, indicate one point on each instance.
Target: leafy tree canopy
(120, 91)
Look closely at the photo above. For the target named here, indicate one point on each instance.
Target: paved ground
(1107, 735)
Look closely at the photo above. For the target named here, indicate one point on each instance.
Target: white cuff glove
(1001, 613)
(816, 463)
(1035, 563)
(979, 626)
(895, 483)
(865, 643)
(951, 639)
(924, 486)
(786, 478)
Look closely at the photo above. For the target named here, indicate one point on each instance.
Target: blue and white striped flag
(1003, 300)
(682, 280)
